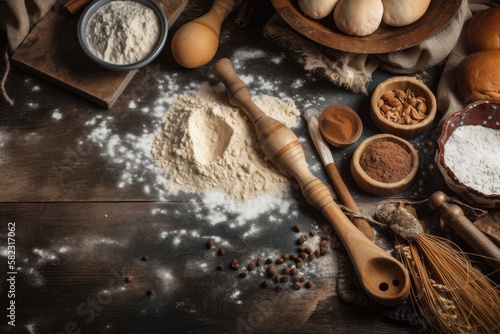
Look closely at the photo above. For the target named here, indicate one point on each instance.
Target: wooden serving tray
(384, 39)
(51, 51)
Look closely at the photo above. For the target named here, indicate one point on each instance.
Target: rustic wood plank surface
(88, 202)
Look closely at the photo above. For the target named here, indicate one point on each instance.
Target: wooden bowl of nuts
(403, 106)
(384, 165)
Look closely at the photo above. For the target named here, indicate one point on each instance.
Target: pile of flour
(208, 144)
(473, 154)
(123, 32)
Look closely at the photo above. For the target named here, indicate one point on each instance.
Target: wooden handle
(346, 198)
(217, 14)
(453, 216)
(74, 6)
(382, 277)
(311, 116)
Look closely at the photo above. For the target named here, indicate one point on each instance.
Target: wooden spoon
(312, 118)
(382, 277)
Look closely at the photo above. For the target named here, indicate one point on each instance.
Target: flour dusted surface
(207, 144)
(123, 32)
(473, 154)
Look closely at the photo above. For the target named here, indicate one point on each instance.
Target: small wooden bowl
(403, 130)
(331, 123)
(375, 187)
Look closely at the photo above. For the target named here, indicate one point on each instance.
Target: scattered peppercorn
(309, 284)
(265, 284)
(145, 258)
(210, 243)
(219, 267)
(128, 279)
(243, 274)
(222, 251)
(251, 265)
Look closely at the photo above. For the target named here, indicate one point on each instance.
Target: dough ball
(317, 9)
(399, 13)
(358, 18)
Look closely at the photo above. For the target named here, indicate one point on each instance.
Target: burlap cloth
(354, 71)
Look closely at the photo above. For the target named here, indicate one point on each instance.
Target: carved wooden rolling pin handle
(382, 277)
(453, 216)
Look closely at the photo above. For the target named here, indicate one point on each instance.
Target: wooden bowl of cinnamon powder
(384, 165)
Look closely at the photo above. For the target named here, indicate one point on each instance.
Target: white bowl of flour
(122, 35)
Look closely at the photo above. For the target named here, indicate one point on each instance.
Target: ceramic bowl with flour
(122, 35)
(468, 154)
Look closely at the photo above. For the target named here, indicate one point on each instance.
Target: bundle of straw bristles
(448, 294)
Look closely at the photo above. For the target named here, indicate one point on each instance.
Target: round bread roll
(399, 13)
(317, 9)
(483, 32)
(478, 76)
(358, 18)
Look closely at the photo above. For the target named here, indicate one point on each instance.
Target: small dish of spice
(384, 165)
(340, 125)
(403, 106)
(122, 35)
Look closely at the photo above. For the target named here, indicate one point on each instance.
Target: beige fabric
(21, 16)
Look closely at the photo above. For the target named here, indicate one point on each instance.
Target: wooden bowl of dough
(375, 187)
(384, 39)
(406, 131)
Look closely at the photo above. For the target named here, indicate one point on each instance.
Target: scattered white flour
(206, 143)
(57, 115)
(123, 32)
(473, 154)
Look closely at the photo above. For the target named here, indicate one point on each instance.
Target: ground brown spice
(385, 161)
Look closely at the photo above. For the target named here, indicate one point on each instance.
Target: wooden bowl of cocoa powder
(403, 106)
(384, 165)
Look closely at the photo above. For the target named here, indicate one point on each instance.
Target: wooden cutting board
(51, 51)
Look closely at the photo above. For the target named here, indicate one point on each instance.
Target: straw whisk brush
(448, 294)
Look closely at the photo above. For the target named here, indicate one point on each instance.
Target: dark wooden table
(85, 216)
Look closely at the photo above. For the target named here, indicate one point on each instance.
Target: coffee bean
(302, 255)
(294, 257)
(312, 257)
(149, 293)
(293, 271)
(235, 264)
(128, 279)
(271, 271)
(259, 262)
(309, 284)
(277, 278)
(210, 243)
(299, 264)
(222, 251)
(277, 288)
(302, 278)
(302, 249)
(284, 279)
(285, 256)
(251, 265)
(323, 251)
(286, 270)
(243, 274)
(299, 259)
(308, 250)
(219, 267)
(145, 258)
(317, 252)
(304, 236)
(300, 241)
(269, 261)
(280, 260)
(323, 243)
(265, 284)
(295, 279)
(297, 285)
(297, 228)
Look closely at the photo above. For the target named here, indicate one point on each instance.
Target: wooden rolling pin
(382, 277)
(453, 216)
(312, 118)
(196, 42)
